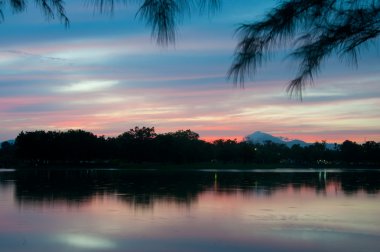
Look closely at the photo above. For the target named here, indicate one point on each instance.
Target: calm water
(307, 210)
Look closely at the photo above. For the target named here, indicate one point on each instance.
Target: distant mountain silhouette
(260, 137)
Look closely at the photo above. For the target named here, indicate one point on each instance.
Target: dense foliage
(144, 145)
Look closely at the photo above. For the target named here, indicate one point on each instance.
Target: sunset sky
(105, 74)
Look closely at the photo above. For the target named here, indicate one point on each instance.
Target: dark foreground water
(262, 211)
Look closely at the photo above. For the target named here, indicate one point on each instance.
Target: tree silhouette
(351, 151)
(142, 145)
(7, 154)
(136, 144)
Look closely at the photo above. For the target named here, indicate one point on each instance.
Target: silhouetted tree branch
(105, 6)
(163, 16)
(50, 8)
(314, 29)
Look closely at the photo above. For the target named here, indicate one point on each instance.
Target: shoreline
(195, 166)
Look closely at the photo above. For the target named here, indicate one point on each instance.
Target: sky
(105, 74)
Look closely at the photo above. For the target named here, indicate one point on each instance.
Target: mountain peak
(262, 137)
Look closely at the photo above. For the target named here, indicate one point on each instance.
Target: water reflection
(142, 188)
(101, 210)
(86, 241)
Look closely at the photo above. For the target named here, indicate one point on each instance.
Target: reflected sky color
(105, 74)
(85, 242)
(246, 212)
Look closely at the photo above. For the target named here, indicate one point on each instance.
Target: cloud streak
(87, 86)
(106, 76)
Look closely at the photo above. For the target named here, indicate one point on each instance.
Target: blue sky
(105, 74)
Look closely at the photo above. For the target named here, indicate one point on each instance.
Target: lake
(204, 210)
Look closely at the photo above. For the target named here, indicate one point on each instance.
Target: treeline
(144, 145)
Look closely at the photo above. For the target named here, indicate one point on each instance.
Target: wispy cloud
(87, 86)
(27, 54)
